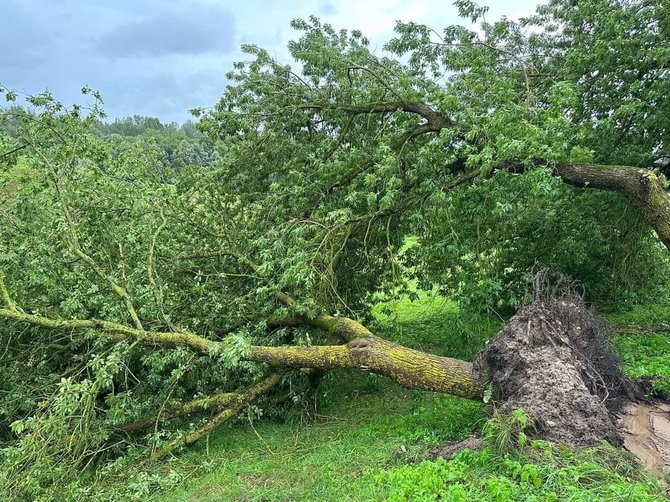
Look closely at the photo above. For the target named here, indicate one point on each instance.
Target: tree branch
(644, 189)
(14, 150)
(152, 276)
(251, 394)
(4, 294)
(214, 402)
(461, 180)
(435, 121)
(117, 331)
(77, 250)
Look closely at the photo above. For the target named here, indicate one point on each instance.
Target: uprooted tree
(133, 292)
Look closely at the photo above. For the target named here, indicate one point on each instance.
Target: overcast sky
(162, 57)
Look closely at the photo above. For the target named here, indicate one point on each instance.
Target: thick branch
(411, 368)
(434, 120)
(215, 402)
(434, 124)
(641, 187)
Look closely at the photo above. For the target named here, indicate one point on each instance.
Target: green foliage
(64, 394)
(545, 473)
(485, 243)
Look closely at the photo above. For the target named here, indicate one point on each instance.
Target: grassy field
(372, 428)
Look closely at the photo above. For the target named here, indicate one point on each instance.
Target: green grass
(363, 431)
(642, 340)
(434, 324)
(356, 456)
(644, 316)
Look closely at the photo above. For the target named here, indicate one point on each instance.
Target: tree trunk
(364, 350)
(410, 368)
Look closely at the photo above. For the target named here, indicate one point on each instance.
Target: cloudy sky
(162, 57)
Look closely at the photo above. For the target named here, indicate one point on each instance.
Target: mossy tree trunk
(362, 350)
(410, 368)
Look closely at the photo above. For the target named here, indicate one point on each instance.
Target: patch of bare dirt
(450, 448)
(646, 433)
(256, 480)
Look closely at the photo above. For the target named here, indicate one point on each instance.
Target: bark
(641, 187)
(410, 368)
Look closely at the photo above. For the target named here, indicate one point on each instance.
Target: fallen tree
(134, 291)
(552, 360)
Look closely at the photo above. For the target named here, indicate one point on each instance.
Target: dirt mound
(552, 359)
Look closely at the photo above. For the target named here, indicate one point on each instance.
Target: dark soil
(552, 359)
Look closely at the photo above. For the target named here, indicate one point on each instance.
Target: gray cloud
(22, 39)
(163, 94)
(189, 29)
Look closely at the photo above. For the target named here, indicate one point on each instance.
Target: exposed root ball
(553, 361)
